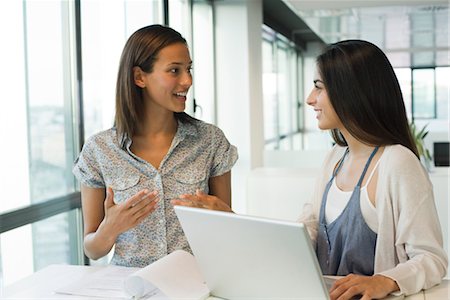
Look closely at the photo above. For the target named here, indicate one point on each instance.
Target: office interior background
(253, 68)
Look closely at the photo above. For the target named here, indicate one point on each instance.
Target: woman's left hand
(369, 287)
(201, 200)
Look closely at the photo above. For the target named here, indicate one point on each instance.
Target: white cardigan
(409, 243)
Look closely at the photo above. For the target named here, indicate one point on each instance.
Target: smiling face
(325, 113)
(169, 82)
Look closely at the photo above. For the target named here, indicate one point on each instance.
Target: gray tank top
(346, 245)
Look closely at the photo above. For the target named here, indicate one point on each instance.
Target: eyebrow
(179, 63)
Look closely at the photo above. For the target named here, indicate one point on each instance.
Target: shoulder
(399, 164)
(203, 129)
(106, 138)
(398, 157)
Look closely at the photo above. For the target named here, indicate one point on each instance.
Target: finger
(351, 292)
(188, 197)
(144, 200)
(345, 281)
(200, 193)
(133, 200)
(342, 285)
(143, 204)
(146, 211)
(109, 200)
(182, 202)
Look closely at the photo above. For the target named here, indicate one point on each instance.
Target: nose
(186, 80)
(311, 99)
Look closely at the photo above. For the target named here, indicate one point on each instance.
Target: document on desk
(175, 276)
(109, 283)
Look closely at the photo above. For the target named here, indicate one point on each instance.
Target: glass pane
(14, 173)
(404, 79)
(269, 92)
(423, 93)
(203, 58)
(103, 38)
(284, 97)
(29, 248)
(49, 99)
(442, 92)
(42, 140)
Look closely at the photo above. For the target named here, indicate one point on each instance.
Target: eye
(317, 84)
(174, 70)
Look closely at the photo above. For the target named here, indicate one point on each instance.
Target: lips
(318, 112)
(181, 94)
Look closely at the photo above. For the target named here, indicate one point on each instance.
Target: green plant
(418, 136)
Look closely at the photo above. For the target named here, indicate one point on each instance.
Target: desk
(41, 285)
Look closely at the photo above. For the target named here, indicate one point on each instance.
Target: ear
(138, 76)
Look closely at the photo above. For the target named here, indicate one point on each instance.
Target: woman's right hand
(104, 220)
(126, 215)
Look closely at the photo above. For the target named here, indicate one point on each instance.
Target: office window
(404, 79)
(269, 95)
(442, 93)
(38, 129)
(202, 52)
(281, 92)
(103, 38)
(424, 93)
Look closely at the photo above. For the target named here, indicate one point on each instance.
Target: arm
(104, 220)
(413, 255)
(219, 198)
(220, 186)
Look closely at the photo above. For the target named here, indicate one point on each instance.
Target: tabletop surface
(41, 285)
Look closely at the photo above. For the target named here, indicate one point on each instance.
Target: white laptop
(243, 257)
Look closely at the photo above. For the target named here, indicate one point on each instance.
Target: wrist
(106, 232)
(390, 283)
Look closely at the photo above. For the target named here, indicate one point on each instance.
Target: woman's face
(169, 82)
(325, 113)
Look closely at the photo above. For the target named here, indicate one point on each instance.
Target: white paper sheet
(108, 283)
(176, 275)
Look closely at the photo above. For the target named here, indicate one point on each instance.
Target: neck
(158, 123)
(357, 148)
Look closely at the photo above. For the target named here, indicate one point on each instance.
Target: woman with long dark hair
(373, 218)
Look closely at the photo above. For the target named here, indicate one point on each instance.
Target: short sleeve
(225, 154)
(86, 168)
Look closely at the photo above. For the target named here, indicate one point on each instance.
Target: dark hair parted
(365, 93)
(141, 50)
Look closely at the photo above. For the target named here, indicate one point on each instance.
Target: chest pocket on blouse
(125, 187)
(190, 180)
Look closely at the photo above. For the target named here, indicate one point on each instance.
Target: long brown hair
(365, 94)
(141, 50)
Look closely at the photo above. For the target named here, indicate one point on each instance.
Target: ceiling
(412, 33)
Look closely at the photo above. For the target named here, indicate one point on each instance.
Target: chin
(179, 109)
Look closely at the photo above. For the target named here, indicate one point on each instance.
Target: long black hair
(365, 93)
